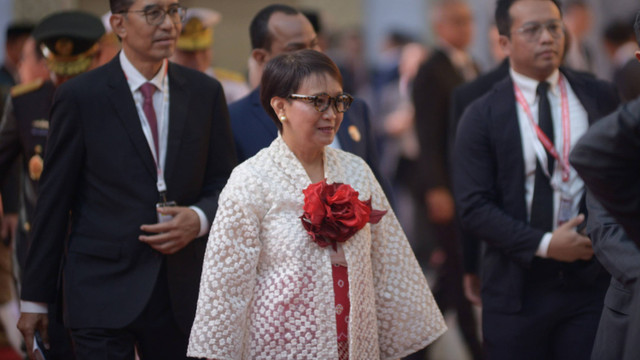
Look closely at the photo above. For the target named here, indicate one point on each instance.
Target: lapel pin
(354, 133)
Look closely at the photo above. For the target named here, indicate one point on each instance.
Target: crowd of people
(157, 207)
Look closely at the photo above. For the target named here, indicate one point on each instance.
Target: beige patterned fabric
(267, 290)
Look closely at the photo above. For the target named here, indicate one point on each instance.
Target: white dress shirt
(161, 107)
(579, 124)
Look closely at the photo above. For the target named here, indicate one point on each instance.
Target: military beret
(68, 39)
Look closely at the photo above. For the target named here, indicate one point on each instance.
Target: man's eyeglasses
(155, 14)
(322, 101)
(532, 31)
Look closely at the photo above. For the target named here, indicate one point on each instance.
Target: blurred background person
(195, 50)
(70, 41)
(16, 35)
(578, 19)
(278, 29)
(621, 46)
(109, 43)
(449, 66)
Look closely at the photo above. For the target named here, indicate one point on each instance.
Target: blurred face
(306, 129)
(199, 60)
(290, 33)
(536, 44)
(454, 24)
(31, 67)
(143, 42)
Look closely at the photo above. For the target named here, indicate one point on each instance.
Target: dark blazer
(621, 257)
(23, 131)
(99, 186)
(461, 97)
(608, 160)
(489, 185)
(254, 130)
(432, 89)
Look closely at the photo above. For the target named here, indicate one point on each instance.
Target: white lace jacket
(267, 290)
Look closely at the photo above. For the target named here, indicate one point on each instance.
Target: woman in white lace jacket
(267, 290)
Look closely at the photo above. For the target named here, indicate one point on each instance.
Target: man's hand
(175, 234)
(471, 285)
(568, 245)
(440, 205)
(28, 324)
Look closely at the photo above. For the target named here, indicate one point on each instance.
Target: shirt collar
(528, 85)
(135, 78)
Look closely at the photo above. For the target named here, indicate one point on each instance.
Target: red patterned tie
(147, 89)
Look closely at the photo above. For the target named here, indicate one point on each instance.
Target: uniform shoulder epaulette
(22, 89)
(225, 74)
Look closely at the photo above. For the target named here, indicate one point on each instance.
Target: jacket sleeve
(63, 158)
(608, 160)
(475, 170)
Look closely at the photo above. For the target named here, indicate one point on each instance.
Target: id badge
(164, 217)
(565, 210)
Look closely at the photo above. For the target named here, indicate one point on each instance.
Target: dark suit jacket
(99, 186)
(489, 185)
(432, 89)
(621, 257)
(608, 160)
(627, 80)
(254, 130)
(23, 129)
(462, 96)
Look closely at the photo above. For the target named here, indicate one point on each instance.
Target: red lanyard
(566, 128)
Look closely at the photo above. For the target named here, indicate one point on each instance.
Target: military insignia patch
(36, 164)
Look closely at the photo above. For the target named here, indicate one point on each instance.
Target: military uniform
(69, 43)
(24, 131)
(197, 36)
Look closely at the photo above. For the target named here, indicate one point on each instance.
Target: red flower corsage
(333, 213)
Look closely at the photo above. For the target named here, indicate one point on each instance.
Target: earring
(283, 118)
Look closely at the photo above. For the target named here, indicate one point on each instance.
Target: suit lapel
(178, 111)
(584, 94)
(508, 139)
(120, 96)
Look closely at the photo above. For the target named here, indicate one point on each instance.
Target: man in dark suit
(274, 30)
(542, 291)
(448, 67)
(607, 159)
(137, 154)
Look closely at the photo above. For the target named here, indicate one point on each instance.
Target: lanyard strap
(542, 137)
(160, 183)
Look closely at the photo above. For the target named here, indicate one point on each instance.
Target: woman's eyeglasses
(322, 101)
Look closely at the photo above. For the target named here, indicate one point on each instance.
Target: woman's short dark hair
(284, 74)
(504, 20)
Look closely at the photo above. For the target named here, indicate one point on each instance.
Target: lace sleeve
(228, 277)
(408, 317)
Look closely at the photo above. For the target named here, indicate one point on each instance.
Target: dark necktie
(147, 89)
(542, 205)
